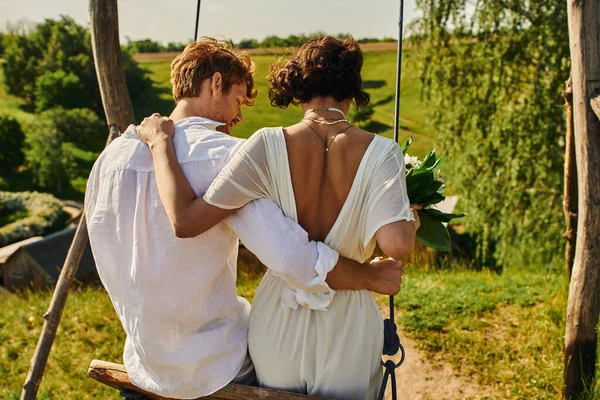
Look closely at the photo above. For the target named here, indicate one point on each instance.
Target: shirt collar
(184, 123)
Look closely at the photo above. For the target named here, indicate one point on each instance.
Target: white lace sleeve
(245, 178)
(388, 199)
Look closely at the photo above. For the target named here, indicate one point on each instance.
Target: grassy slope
(379, 75)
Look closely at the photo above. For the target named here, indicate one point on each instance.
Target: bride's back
(322, 179)
(323, 73)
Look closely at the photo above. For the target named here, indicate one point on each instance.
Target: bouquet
(426, 187)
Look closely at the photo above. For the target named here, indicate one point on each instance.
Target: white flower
(411, 162)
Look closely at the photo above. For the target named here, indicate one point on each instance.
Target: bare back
(322, 180)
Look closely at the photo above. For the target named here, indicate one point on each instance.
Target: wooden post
(104, 27)
(119, 114)
(583, 306)
(570, 188)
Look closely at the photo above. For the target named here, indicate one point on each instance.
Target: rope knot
(391, 341)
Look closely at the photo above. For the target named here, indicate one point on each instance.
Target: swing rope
(391, 340)
(197, 21)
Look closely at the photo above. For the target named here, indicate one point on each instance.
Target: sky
(173, 20)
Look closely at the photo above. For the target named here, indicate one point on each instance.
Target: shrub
(80, 126)
(11, 142)
(44, 212)
(44, 154)
(58, 89)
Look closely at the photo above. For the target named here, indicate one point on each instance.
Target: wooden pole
(570, 188)
(583, 306)
(119, 114)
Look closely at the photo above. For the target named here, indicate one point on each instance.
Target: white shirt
(176, 298)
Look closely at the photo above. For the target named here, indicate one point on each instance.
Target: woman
(345, 187)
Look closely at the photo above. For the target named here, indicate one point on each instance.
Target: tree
(51, 65)
(494, 76)
(248, 44)
(11, 142)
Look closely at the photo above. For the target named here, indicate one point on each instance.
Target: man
(176, 298)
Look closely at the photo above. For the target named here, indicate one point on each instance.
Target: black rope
(398, 73)
(391, 340)
(197, 20)
(391, 346)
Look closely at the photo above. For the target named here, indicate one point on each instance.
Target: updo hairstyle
(322, 67)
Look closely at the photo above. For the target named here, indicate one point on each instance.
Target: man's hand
(155, 129)
(386, 276)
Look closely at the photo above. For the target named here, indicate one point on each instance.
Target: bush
(44, 212)
(11, 142)
(52, 140)
(44, 155)
(58, 89)
(80, 126)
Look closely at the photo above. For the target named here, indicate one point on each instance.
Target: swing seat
(115, 376)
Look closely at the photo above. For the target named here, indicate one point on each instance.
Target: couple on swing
(311, 200)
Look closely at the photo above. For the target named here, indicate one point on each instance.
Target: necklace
(334, 109)
(327, 121)
(323, 140)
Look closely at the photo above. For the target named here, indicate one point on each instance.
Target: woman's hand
(414, 208)
(155, 129)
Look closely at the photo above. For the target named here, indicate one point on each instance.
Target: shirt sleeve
(245, 178)
(388, 198)
(284, 247)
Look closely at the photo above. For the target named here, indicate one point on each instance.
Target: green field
(379, 73)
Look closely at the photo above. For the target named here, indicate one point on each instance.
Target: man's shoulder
(125, 152)
(196, 143)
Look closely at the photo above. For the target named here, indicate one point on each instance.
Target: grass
(504, 331)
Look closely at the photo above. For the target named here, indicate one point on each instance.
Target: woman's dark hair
(324, 66)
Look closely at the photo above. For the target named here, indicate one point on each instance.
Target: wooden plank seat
(115, 376)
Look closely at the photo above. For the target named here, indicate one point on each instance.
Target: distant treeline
(152, 46)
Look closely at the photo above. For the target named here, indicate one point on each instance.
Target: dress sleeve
(388, 199)
(245, 178)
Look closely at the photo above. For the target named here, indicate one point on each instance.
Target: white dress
(334, 350)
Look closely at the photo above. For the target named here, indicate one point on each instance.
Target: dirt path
(421, 379)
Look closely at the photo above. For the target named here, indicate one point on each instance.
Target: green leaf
(406, 144)
(428, 161)
(432, 233)
(439, 215)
